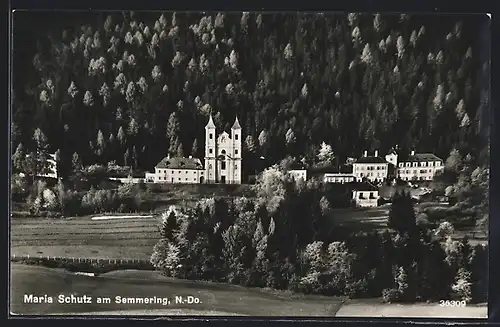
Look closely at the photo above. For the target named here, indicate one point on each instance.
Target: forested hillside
(130, 87)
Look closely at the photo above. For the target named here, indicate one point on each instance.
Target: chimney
(365, 154)
(168, 156)
(412, 152)
(376, 153)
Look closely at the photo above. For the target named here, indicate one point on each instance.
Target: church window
(236, 151)
(223, 152)
(210, 150)
(236, 137)
(211, 136)
(223, 165)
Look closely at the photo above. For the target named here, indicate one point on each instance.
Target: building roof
(419, 157)
(210, 123)
(180, 163)
(344, 169)
(236, 124)
(370, 160)
(363, 186)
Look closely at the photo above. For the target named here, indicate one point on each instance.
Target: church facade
(223, 154)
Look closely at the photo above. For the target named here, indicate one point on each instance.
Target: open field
(134, 237)
(215, 298)
(131, 238)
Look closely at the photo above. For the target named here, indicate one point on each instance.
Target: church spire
(210, 123)
(236, 124)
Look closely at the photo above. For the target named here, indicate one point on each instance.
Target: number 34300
(448, 303)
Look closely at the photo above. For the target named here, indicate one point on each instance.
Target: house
(365, 195)
(343, 174)
(222, 161)
(372, 168)
(179, 170)
(298, 174)
(419, 167)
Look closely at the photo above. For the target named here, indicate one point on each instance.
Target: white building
(298, 174)
(372, 168)
(223, 154)
(340, 178)
(222, 161)
(178, 170)
(365, 195)
(420, 167)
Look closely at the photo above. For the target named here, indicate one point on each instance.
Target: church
(223, 154)
(222, 161)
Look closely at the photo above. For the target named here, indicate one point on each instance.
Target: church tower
(236, 155)
(210, 152)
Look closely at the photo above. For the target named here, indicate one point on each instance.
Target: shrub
(390, 295)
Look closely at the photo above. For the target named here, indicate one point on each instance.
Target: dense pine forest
(132, 87)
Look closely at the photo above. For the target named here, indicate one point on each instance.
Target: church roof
(236, 124)
(210, 123)
(180, 163)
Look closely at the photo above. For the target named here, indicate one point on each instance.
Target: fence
(96, 265)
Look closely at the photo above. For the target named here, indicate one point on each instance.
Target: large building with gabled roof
(420, 167)
(370, 167)
(222, 160)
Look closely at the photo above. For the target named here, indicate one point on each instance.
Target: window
(223, 151)
(194, 172)
(235, 166)
(211, 136)
(186, 179)
(210, 166)
(210, 151)
(179, 171)
(236, 137)
(179, 178)
(223, 165)
(236, 151)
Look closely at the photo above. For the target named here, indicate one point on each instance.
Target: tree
(76, 163)
(454, 161)
(41, 154)
(19, 158)
(122, 138)
(194, 149)
(325, 205)
(101, 144)
(170, 226)
(402, 214)
(250, 144)
(444, 229)
(290, 137)
(325, 154)
(462, 285)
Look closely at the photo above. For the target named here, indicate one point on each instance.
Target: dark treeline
(130, 87)
(285, 239)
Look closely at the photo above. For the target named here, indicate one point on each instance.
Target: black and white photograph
(279, 164)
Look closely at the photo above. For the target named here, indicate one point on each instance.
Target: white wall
(365, 201)
(372, 172)
(178, 176)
